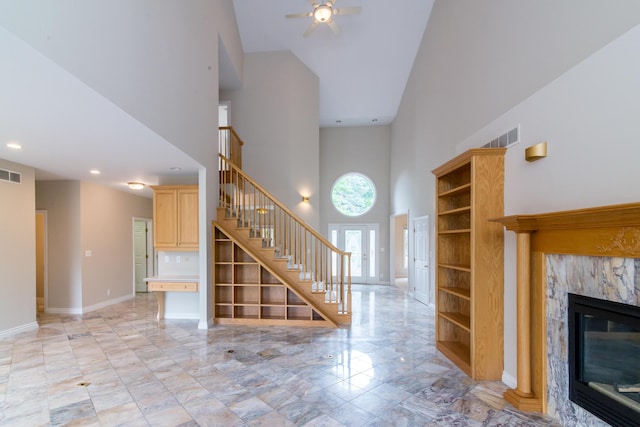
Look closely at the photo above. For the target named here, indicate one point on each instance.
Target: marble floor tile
(384, 370)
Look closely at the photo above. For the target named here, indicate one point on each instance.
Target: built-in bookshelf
(469, 262)
(246, 292)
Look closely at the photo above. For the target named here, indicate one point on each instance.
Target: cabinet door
(164, 219)
(188, 218)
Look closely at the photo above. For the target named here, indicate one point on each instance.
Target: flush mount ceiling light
(14, 145)
(135, 185)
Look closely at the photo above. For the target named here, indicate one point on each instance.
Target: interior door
(421, 288)
(361, 241)
(140, 254)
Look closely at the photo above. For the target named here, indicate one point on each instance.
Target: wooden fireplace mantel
(612, 231)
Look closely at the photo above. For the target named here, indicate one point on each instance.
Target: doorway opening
(421, 254)
(362, 240)
(399, 262)
(143, 256)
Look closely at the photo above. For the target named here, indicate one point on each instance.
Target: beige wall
(61, 200)
(107, 231)
(82, 217)
(17, 250)
(276, 114)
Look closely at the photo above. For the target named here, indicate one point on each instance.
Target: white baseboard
(94, 307)
(104, 304)
(205, 325)
(183, 316)
(509, 380)
(18, 329)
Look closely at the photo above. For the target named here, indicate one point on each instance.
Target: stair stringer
(278, 268)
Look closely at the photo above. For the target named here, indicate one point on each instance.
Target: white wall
(498, 53)
(588, 117)
(276, 115)
(17, 251)
(364, 150)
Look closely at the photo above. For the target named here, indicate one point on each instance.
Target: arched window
(353, 194)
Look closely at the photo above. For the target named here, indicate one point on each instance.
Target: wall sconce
(262, 211)
(536, 152)
(135, 185)
(305, 199)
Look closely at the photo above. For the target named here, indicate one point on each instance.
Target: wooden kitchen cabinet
(175, 217)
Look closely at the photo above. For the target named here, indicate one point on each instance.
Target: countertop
(174, 278)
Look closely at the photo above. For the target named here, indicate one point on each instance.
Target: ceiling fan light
(322, 13)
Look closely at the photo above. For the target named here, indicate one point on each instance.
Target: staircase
(281, 271)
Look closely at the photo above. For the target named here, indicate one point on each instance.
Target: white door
(421, 288)
(140, 254)
(361, 241)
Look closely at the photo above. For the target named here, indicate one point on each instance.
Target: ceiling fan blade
(348, 10)
(334, 27)
(314, 3)
(311, 28)
(299, 15)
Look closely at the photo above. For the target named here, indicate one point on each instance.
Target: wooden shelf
(463, 230)
(469, 248)
(455, 191)
(458, 319)
(458, 292)
(466, 268)
(246, 292)
(456, 211)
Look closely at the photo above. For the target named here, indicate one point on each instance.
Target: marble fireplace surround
(542, 241)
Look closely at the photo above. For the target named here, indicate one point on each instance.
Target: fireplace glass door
(604, 358)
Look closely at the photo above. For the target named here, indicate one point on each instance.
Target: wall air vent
(506, 140)
(9, 176)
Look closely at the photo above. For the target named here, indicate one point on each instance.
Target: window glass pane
(353, 194)
(372, 253)
(353, 244)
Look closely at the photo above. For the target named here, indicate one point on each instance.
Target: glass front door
(361, 241)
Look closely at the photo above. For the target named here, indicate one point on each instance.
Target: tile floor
(119, 366)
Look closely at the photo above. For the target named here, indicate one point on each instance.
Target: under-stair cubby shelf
(248, 293)
(469, 276)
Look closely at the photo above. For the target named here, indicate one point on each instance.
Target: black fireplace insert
(604, 359)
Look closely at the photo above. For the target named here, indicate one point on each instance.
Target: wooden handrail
(283, 207)
(317, 260)
(230, 144)
(233, 132)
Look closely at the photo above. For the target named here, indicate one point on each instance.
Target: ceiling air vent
(506, 140)
(9, 176)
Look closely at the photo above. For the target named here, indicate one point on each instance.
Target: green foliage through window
(353, 194)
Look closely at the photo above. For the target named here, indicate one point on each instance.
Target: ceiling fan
(324, 13)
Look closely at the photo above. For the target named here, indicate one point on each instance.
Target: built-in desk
(162, 284)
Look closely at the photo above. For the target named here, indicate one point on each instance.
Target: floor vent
(7, 175)
(506, 140)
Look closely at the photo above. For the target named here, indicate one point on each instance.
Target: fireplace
(591, 251)
(604, 358)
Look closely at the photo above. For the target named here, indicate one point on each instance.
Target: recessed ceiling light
(175, 169)
(14, 145)
(94, 172)
(135, 185)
